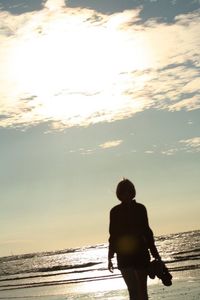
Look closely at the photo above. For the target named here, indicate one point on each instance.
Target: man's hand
(110, 265)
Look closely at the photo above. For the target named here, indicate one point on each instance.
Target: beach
(183, 289)
(82, 273)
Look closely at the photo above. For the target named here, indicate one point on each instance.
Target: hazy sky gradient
(90, 92)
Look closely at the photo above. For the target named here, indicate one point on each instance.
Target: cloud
(190, 104)
(110, 144)
(76, 67)
(149, 152)
(191, 145)
(170, 152)
(54, 4)
(90, 151)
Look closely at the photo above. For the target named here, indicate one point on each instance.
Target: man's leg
(131, 281)
(136, 281)
(141, 278)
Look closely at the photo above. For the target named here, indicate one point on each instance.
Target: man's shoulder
(115, 208)
(135, 204)
(140, 205)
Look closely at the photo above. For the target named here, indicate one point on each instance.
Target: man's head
(125, 190)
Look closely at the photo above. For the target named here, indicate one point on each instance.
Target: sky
(91, 92)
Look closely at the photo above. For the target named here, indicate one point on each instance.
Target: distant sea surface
(82, 271)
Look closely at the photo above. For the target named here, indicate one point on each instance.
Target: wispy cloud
(54, 4)
(74, 67)
(110, 144)
(149, 152)
(192, 145)
(190, 103)
(170, 151)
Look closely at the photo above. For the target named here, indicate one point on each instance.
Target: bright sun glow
(77, 66)
(72, 71)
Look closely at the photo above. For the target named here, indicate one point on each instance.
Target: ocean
(81, 273)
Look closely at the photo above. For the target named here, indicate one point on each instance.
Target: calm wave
(180, 251)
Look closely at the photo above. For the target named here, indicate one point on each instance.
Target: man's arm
(150, 237)
(111, 250)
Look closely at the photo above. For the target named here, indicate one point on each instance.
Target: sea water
(82, 273)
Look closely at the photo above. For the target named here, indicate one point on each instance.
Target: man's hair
(125, 187)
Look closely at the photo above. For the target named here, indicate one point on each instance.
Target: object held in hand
(158, 268)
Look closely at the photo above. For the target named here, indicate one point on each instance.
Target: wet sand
(187, 288)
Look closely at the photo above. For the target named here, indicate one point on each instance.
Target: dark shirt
(130, 235)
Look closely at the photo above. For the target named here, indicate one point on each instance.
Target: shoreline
(184, 287)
